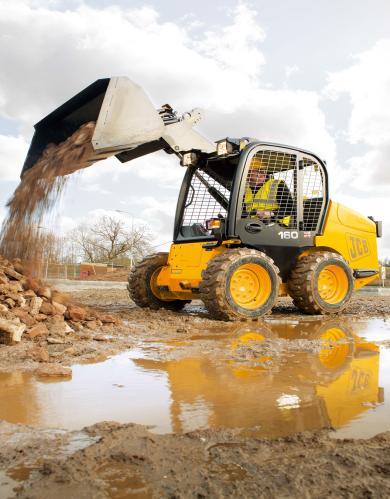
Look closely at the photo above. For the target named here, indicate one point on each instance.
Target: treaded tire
(303, 283)
(139, 287)
(215, 288)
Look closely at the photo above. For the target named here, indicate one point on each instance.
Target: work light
(224, 147)
(189, 159)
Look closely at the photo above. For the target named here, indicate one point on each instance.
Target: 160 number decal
(288, 235)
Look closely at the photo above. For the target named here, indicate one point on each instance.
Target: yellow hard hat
(257, 164)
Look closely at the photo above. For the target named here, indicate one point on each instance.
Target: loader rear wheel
(321, 283)
(239, 284)
(142, 284)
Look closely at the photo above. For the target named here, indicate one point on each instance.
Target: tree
(109, 239)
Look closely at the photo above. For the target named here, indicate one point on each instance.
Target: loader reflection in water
(267, 379)
(272, 393)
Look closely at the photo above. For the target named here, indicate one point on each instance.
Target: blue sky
(310, 74)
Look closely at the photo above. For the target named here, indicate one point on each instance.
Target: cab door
(286, 207)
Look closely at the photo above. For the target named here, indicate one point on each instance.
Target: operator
(267, 198)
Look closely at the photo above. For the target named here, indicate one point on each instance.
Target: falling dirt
(39, 190)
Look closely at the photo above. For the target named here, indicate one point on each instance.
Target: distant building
(90, 269)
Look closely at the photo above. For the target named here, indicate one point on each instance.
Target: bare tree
(109, 239)
(51, 247)
(83, 239)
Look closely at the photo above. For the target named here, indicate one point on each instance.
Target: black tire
(216, 287)
(139, 284)
(303, 284)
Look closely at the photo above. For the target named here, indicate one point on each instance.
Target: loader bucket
(110, 117)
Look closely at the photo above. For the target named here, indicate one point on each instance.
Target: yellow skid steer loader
(253, 221)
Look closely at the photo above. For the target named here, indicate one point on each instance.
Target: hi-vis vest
(265, 199)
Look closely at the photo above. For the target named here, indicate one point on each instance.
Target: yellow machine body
(346, 232)
(183, 273)
(353, 236)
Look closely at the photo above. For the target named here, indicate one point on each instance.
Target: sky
(310, 74)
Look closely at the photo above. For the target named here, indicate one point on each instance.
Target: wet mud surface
(128, 461)
(287, 406)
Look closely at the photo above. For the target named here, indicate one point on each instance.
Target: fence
(73, 271)
(60, 271)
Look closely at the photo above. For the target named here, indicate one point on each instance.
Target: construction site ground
(164, 404)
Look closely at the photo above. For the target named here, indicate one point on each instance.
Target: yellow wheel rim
(250, 286)
(153, 283)
(332, 284)
(332, 354)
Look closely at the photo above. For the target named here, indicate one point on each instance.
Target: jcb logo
(358, 247)
(360, 380)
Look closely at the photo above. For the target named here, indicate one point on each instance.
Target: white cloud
(95, 188)
(234, 46)
(160, 167)
(290, 70)
(364, 182)
(370, 173)
(13, 152)
(56, 52)
(367, 83)
(53, 54)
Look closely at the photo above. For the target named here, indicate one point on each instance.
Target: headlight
(213, 223)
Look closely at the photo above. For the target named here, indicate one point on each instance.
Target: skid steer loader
(253, 221)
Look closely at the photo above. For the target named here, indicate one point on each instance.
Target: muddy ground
(125, 461)
(118, 461)
(143, 324)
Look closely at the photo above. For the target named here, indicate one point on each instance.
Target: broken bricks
(29, 306)
(53, 370)
(13, 327)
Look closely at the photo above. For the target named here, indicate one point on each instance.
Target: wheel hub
(335, 348)
(332, 284)
(250, 286)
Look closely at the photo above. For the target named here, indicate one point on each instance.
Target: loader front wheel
(321, 283)
(239, 284)
(142, 284)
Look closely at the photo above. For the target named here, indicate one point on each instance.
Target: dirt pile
(39, 190)
(29, 307)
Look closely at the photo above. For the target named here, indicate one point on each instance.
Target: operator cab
(264, 194)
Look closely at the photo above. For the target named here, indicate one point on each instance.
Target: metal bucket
(109, 117)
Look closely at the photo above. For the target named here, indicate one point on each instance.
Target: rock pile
(30, 308)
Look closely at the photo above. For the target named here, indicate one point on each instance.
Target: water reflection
(268, 378)
(18, 398)
(271, 385)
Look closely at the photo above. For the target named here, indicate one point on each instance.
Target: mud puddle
(268, 379)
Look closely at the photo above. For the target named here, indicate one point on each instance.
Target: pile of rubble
(31, 310)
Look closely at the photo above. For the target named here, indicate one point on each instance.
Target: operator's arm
(285, 201)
